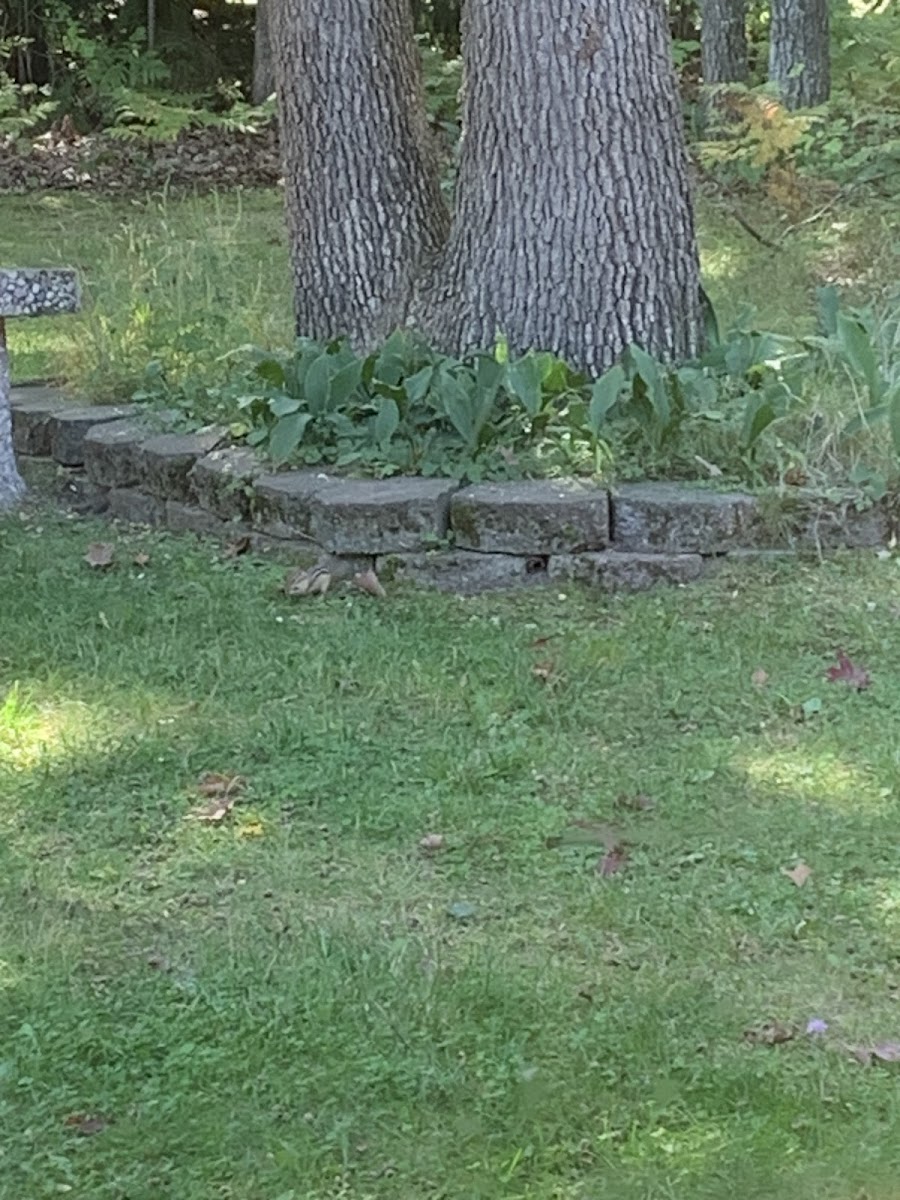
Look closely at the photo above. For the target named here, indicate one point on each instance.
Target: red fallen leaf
(799, 874)
(86, 1124)
(849, 672)
(612, 862)
(100, 555)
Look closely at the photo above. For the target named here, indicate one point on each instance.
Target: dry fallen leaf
(251, 829)
(368, 582)
(759, 678)
(222, 791)
(313, 582)
(86, 1124)
(799, 874)
(431, 842)
(795, 477)
(237, 546)
(887, 1051)
(100, 555)
(770, 1033)
(141, 560)
(849, 672)
(542, 671)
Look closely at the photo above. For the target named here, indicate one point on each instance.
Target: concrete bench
(39, 292)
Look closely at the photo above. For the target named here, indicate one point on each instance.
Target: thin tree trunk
(363, 195)
(263, 64)
(799, 55)
(723, 41)
(574, 228)
(12, 488)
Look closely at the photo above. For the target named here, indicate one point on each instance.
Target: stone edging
(432, 531)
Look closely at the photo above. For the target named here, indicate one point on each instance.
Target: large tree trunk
(11, 486)
(574, 228)
(363, 194)
(723, 40)
(799, 56)
(263, 64)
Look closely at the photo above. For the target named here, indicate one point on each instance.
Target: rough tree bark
(263, 64)
(799, 55)
(723, 41)
(574, 227)
(363, 194)
(12, 489)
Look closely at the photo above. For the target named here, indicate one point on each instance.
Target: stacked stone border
(436, 532)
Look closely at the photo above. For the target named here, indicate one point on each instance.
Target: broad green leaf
(287, 435)
(459, 408)
(317, 384)
(605, 395)
(859, 352)
(386, 422)
(893, 402)
(283, 406)
(759, 416)
(523, 379)
(417, 385)
(345, 382)
(829, 304)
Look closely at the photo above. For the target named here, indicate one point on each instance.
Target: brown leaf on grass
(849, 672)
(796, 477)
(798, 875)
(431, 842)
(540, 642)
(221, 792)
(770, 1033)
(612, 862)
(543, 671)
(887, 1051)
(237, 546)
(86, 1124)
(141, 560)
(100, 555)
(313, 582)
(759, 678)
(368, 582)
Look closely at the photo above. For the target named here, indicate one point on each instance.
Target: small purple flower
(816, 1026)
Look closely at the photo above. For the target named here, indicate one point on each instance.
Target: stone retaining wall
(432, 531)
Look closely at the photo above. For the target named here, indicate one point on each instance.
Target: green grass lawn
(285, 1005)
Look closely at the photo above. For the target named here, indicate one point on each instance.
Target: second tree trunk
(574, 229)
(799, 59)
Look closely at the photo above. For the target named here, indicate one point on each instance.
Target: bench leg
(12, 487)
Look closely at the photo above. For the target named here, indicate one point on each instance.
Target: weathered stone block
(533, 517)
(222, 481)
(81, 495)
(165, 461)
(38, 291)
(464, 572)
(616, 572)
(282, 503)
(129, 504)
(672, 519)
(32, 408)
(111, 452)
(381, 516)
(190, 518)
(69, 428)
